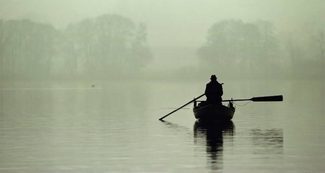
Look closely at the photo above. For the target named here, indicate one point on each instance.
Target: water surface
(112, 127)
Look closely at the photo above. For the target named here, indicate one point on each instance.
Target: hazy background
(257, 38)
(83, 83)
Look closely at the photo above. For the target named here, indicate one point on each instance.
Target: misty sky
(170, 23)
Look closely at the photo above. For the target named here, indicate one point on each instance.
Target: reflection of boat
(202, 127)
(213, 112)
(212, 136)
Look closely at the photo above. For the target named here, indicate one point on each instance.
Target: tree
(237, 46)
(306, 51)
(26, 48)
(109, 43)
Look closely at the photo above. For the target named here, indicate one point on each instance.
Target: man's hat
(213, 77)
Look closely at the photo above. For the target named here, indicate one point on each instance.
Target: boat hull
(214, 113)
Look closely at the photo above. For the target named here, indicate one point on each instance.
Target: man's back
(213, 92)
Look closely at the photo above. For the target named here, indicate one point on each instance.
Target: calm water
(113, 127)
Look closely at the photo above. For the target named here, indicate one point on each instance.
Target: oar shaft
(172, 112)
(181, 107)
(236, 100)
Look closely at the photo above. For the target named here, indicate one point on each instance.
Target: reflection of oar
(261, 99)
(181, 107)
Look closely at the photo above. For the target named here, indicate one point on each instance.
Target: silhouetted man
(214, 91)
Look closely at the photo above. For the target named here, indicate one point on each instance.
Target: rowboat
(213, 112)
(220, 113)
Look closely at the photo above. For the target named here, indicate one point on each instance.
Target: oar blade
(277, 98)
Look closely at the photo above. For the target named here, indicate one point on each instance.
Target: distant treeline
(238, 49)
(112, 46)
(106, 46)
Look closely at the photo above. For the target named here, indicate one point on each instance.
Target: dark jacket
(213, 92)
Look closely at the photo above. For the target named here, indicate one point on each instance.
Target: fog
(84, 82)
(167, 39)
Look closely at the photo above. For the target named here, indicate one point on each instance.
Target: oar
(276, 98)
(181, 107)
